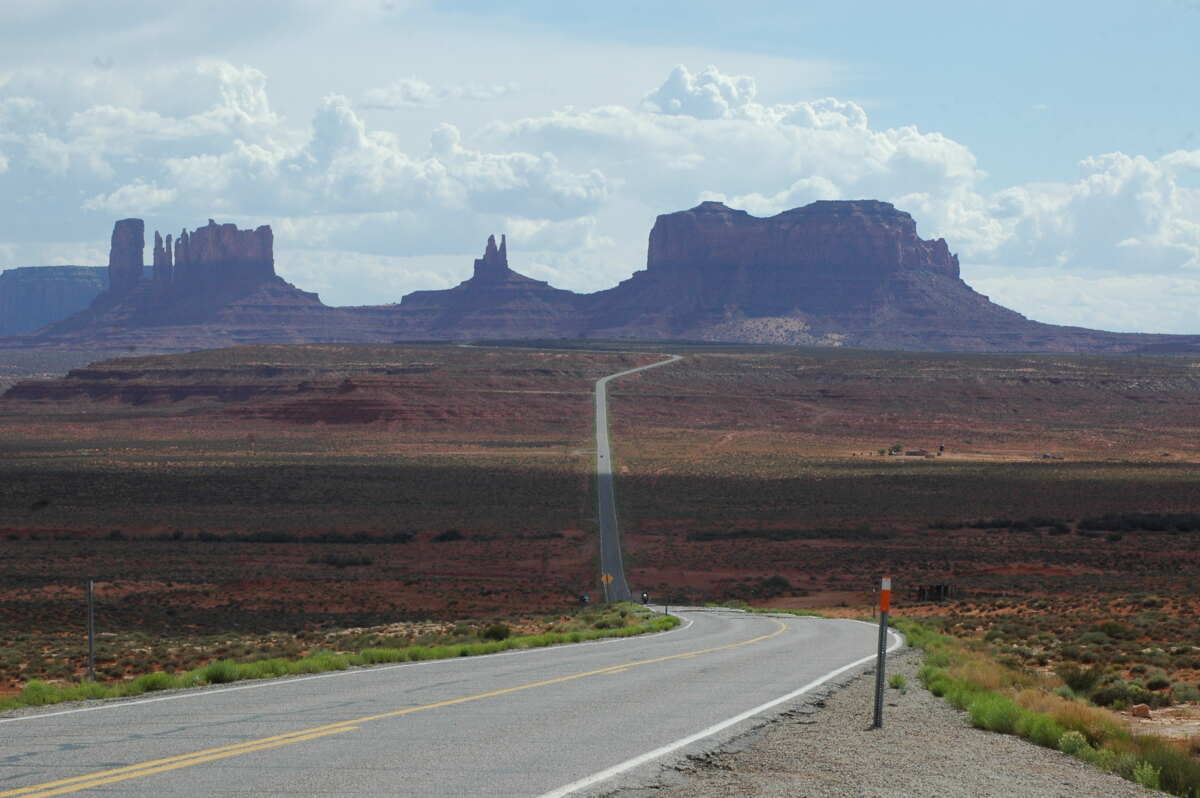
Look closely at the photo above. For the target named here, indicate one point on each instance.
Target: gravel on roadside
(824, 748)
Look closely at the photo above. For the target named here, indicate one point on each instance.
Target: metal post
(885, 600)
(91, 626)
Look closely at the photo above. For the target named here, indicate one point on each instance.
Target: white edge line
(650, 756)
(356, 671)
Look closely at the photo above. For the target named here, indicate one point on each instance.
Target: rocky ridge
(830, 273)
(34, 296)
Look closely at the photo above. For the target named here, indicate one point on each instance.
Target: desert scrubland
(258, 499)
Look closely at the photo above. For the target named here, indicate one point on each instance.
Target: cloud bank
(576, 188)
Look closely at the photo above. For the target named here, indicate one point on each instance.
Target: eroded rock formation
(211, 286)
(493, 266)
(865, 238)
(495, 302)
(210, 257)
(125, 255)
(33, 296)
(830, 273)
(223, 252)
(839, 273)
(163, 266)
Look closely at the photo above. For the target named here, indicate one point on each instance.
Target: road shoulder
(822, 748)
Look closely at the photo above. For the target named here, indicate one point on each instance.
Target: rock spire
(494, 263)
(125, 255)
(163, 267)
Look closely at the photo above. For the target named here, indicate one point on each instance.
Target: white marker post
(885, 604)
(91, 630)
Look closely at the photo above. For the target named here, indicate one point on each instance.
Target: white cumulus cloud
(705, 136)
(410, 92)
(576, 188)
(134, 198)
(708, 95)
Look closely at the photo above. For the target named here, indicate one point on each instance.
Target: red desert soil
(260, 489)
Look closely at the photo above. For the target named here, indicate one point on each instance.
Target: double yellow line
(106, 777)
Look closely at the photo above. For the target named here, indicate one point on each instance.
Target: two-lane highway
(530, 723)
(612, 566)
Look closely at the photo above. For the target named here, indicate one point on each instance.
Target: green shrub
(897, 681)
(222, 671)
(86, 690)
(1039, 729)
(376, 656)
(497, 631)
(993, 712)
(1124, 764)
(1120, 693)
(1103, 758)
(37, 693)
(1079, 679)
(1146, 775)
(1185, 693)
(1074, 744)
(148, 683)
(319, 662)
(1176, 771)
(264, 669)
(1158, 681)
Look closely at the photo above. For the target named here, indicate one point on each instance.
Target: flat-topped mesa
(855, 239)
(125, 255)
(494, 263)
(223, 251)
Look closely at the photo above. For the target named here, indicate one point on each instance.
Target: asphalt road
(533, 723)
(611, 564)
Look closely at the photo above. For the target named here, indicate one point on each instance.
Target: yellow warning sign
(607, 579)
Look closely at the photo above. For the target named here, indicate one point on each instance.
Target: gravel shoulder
(823, 748)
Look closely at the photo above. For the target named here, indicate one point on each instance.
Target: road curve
(610, 535)
(546, 722)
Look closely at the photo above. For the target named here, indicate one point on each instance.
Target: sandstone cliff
(33, 296)
(830, 273)
(223, 253)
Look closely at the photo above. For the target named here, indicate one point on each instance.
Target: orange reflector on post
(885, 594)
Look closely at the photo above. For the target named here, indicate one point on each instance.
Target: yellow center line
(151, 767)
(99, 780)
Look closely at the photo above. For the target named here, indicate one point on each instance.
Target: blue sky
(1032, 86)
(1055, 145)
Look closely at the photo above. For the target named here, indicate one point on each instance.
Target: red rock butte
(832, 273)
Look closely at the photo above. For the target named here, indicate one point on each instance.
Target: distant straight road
(546, 722)
(611, 563)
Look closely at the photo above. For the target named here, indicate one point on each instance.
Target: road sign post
(885, 604)
(91, 629)
(606, 580)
